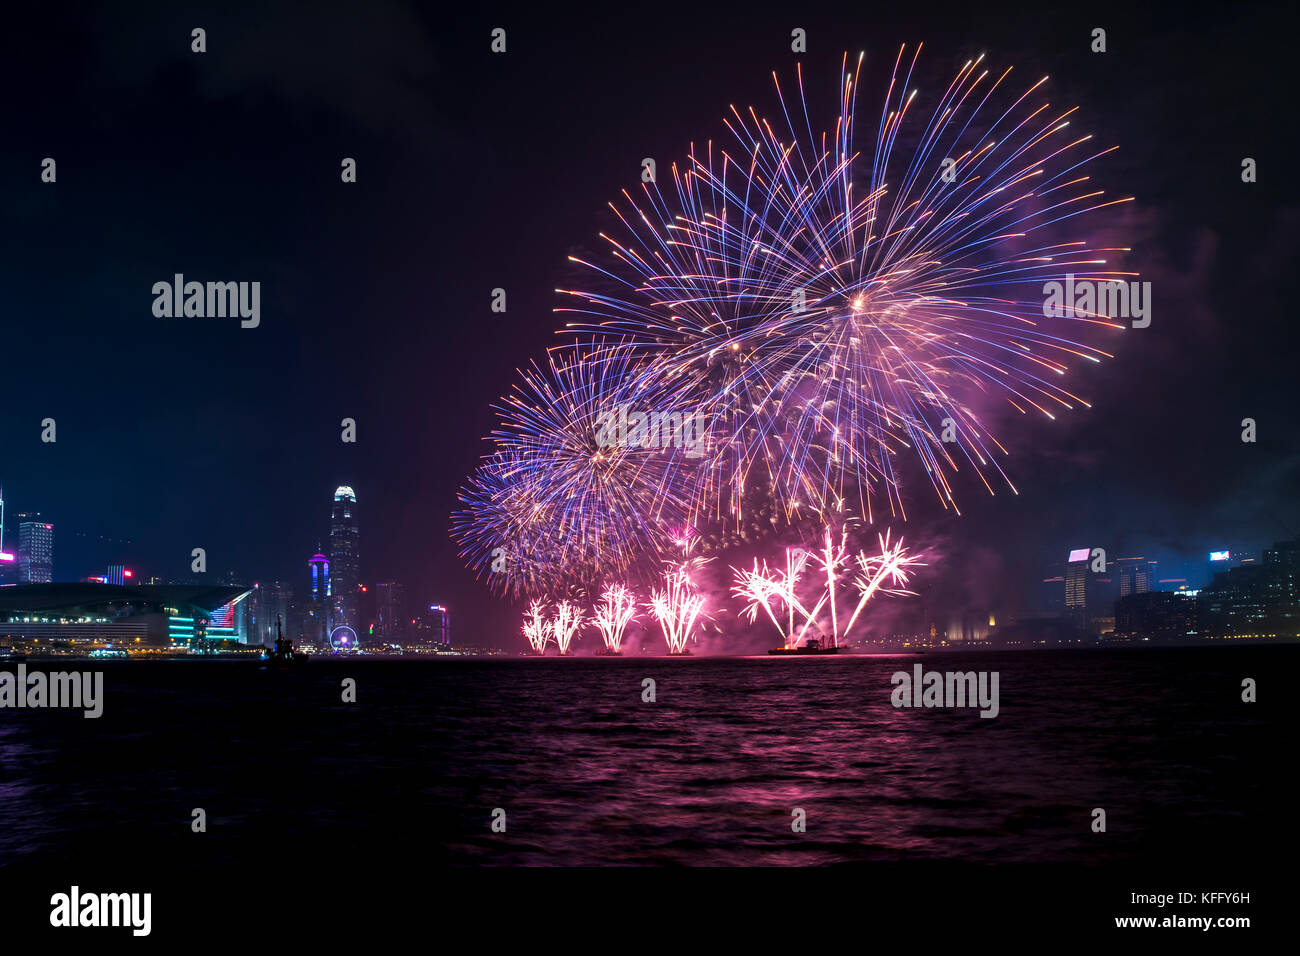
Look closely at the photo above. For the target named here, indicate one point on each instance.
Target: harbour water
(712, 772)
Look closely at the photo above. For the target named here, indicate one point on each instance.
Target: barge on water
(811, 646)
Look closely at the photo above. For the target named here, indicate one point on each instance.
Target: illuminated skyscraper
(390, 612)
(315, 622)
(437, 626)
(320, 577)
(35, 551)
(345, 560)
(1076, 585)
(1136, 576)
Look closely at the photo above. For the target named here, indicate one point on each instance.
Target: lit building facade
(1136, 576)
(1256, 600)
(315, 622)
(175, 617)
(268, 603)
(1076, 585)
(35, 552)
(345, 554)
(389, 612)
(1156, 616)
(437, 627)
(319, 566)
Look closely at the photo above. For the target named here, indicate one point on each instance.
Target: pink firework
(564, 624)
(677, 606)
(536, 630)
(805, 601)
(616, 610)
(885, 573)
(764, 587)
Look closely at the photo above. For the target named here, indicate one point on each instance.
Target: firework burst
(838, 305)
(838, 312)
(678, 605)
(536, 630)
(764, 587)
(564, 501)
(885, 573)
(564, 624)
(870, 574)
(617, 609)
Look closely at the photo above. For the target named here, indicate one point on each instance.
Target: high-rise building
(320, 577)
(8, 560)
(1155, 615)
(345, 560)
(1136, 576)
(367, 614)
(35, 551)
(437, 626)
(430, 627)
(119, 574)
(1259, 599)
(1076, 585)
(269, 602)
(390, 600)
(314, 619)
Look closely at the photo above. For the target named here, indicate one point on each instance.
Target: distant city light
(1219, 555)
(128, 574)
(1080, 554)
(6, 556)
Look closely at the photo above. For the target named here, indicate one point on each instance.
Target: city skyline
(1092, 596)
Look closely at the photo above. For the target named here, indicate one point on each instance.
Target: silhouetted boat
(607, 652)
(282, 656)
(684, 652)
(811, 646)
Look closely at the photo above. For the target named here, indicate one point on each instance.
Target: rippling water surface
(709, 773)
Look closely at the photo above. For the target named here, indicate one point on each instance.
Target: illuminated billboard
(1080, 554)
(1219, 555)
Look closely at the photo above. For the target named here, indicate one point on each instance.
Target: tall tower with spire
(345, 557)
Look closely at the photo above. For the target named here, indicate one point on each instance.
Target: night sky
(478, 171)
